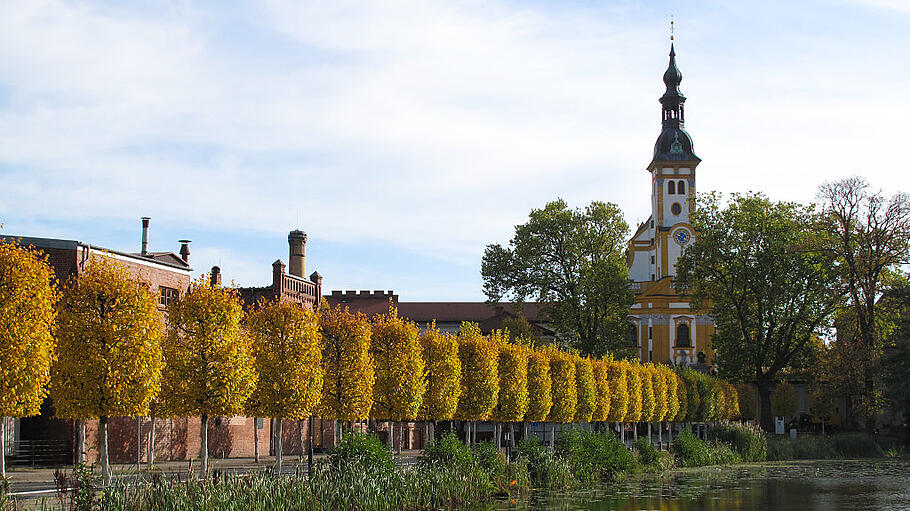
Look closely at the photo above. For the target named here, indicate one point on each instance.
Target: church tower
(663, 327)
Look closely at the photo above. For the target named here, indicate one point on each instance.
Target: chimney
(185, 250)
(145, 236)
(216, 276)
(277, 273)
(297, 256)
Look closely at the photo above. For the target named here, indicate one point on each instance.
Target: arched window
(671, 188)
(633, 334)
(681, 188)
(682, 336)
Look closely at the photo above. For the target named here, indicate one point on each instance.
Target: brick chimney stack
(216, 276)
(297, 255)
(185, 250)
(144, 250)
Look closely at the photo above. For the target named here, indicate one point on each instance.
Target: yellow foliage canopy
(442, 375)
(659, 384)
(564, 386)
(683, 398)
(287, 350)
(512, 404)
(479, 374)
(634, 381)
(109, 345)
(602, 383)
(648, 401)
(586, 388)
(670, 381)
(347, 389)
(619, 391)
(399, 365)
(540, 398)
(27, 323)
(209, 366)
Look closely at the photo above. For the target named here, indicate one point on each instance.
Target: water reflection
(820, 485)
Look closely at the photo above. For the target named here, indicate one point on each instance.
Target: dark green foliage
(748, 441)
(692, 452)
(648, 455)
(812, 447)
(593, 456)
(363, 451)
(447, 451)
(545, 469)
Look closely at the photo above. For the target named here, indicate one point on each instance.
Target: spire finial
(672, 28)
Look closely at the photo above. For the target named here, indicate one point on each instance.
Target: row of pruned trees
(102, 349)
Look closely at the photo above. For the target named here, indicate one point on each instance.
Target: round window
(676, 208)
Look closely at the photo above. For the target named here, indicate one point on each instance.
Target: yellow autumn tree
(540, 398)
(682, 395)
(27, 323)
(108, 347)
(634, 382)
(479, 374)
(602, 383)
(287, 351)
(659, 384)
(442, 375)
(513, 400)
(398, 360)
(347, 389)
(619, 391)
(564, 386)
(209, 367)
(673, 404)
(586, 388)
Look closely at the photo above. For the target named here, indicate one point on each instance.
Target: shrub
(593, 456)
(545, 469)
(692, 452)
(856, 445)
(448, 451)
(648, 455)
(748, 441)
(363, 451)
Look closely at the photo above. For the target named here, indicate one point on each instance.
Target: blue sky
(405, 136)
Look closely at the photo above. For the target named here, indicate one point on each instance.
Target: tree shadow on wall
(220, 441)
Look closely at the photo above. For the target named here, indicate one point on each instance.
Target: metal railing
(37, 453)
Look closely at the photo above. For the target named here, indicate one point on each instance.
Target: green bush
(545, 469)
(857, 445)
(692, 452)
(447, 451)
(648, 455)
(363, 451)
(748, 441)
(594, 457)
(813, 447)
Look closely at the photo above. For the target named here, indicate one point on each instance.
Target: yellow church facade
(663, 325)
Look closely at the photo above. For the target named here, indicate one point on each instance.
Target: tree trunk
(279, 445)
(552, 436)
(634, 431)
(204, 444)
(80, 441)
(622, 432)
(300, 440)
(512, 435)
(670, 432)
(391, 436)
(764, 405)
(426, 433)
(309, 454)
(255, 440)
(2, 447)
(151, 456)
(497, 430)
(660, 432)
(102, 452)
(138, 444)
(649, 432)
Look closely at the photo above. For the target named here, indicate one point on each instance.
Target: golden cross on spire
(672, 27)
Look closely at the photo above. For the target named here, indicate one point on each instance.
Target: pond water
(816, 485)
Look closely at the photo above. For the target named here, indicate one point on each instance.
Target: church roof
(673, 143)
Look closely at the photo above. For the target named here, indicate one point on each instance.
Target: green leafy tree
(783, 400)
(770, 290)
(27, 324)
(573, 262)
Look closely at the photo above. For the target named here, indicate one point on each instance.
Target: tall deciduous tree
(769, 288)
(540, 397)
(287, 350)
(209, 366)
(587, 389)
(512, 404)
(27, 322)
(399, 366)
(442, 374)
(619, 391)
(109, 348)
(868, 234)
(604, 393)
(347, 389)
(564, 386)
(571, 260)
(479, 374)
(634, 413)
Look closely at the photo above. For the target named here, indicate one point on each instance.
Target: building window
(682, 336)
(681, 188)
(633, 334)
(676, 208)
(167, 295)
(650, 332)
(652, 259)
(671, 188)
